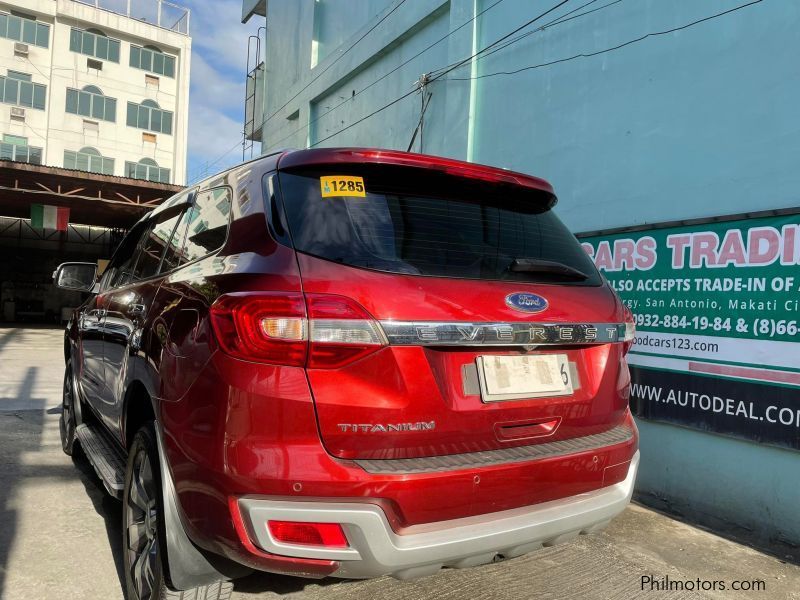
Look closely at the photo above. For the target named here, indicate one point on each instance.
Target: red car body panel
(235, 427)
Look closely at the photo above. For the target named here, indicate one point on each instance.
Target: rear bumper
(376, 549)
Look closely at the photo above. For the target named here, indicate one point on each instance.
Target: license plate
(529, 376)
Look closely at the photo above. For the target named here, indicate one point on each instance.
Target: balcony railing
(26, 154)
(156, 12)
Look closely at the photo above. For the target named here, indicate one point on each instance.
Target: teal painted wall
(696, 123)
(723, 482)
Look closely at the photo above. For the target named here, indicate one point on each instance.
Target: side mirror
(75, 276)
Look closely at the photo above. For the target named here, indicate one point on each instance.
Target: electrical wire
(611, 49)
(385, 75)
(555, 22)
(455, 66)
(362, 119)
(426, 99)
(338, 58)
(440, 75)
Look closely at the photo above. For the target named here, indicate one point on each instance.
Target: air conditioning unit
(20, 49)
(17, 113)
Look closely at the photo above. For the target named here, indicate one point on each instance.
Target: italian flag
(49, 217)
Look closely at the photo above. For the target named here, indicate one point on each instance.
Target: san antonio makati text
(723, 284)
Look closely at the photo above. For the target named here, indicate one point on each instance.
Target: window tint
(152, 60)
(155, 243)
(150, 118)
(174, 254)
(22, 29)
(147, 169)
(18, 89)
(88, 103)
(88, 159)
(125, 257)
(435, 225)
(207, 223)
(94, 44)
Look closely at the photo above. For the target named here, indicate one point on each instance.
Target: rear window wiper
(539, 265)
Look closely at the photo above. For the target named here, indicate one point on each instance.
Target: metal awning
(93, 199)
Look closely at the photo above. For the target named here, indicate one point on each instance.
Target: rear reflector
(329, 535)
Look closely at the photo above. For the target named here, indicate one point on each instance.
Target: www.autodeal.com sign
(717, 310)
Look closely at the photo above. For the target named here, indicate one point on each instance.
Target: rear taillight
(328, 535)
(630, 331)
(340, 331)
(262, 327)
(273, 328)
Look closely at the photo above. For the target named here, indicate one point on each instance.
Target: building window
(90, 102)
(21, 29)
(94, 43)
(14, 147)
(148, 115)
(88, 159)
(17, 88)
(153, 60)
(147, 169)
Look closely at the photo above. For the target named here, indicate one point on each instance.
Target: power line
(617, 47)
(498, 41)
(321, 73)
(385, 75)
(559, 21)
(213, 163)
(362, 119)
(440, 75)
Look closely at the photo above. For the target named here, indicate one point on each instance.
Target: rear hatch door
(497, 329)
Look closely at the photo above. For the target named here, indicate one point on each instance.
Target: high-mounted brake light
(336, 156)
(630, 331)
(273, 328)
(329, 535)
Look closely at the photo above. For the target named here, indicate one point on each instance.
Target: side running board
(106, 457)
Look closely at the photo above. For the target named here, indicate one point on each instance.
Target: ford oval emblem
(530, 303)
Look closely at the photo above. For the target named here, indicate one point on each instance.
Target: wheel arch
(138, 408)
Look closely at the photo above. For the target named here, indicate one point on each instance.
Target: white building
(96, 85)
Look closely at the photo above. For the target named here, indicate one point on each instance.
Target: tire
(146, 576)
(67, 422)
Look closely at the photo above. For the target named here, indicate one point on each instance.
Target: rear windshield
(421, 223)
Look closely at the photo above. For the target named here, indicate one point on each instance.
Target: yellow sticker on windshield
(342, 185)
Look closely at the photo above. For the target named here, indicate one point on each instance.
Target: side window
(154, 245)
(207, 223)
(174, 254)
(125, 257)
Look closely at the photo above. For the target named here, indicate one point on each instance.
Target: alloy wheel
(142, 527)
(67, 421)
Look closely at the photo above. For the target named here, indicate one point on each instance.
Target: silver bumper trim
(375, 549)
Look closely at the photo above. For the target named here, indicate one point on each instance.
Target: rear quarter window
(206, 224)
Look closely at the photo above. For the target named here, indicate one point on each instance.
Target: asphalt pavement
(60, 533)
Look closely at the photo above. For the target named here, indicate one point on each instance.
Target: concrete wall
(695, 123)
(56, 66)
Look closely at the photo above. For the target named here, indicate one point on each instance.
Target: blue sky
(216, 99)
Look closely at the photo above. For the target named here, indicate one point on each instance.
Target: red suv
(349, 363)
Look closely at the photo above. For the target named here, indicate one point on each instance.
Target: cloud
(214, 88)
(214, 142)
(216, 98)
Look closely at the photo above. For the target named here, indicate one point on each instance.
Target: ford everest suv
(348, 363)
